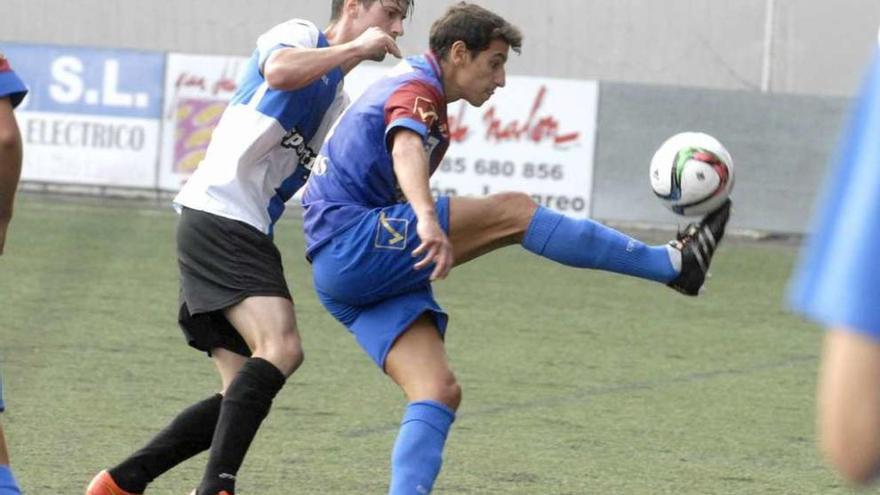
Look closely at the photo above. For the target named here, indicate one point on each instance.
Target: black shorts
(222, 262)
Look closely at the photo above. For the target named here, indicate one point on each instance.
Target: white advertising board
(536, 135)
(91, 116)
(197, 89)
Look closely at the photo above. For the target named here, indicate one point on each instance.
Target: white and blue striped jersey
(262, 149)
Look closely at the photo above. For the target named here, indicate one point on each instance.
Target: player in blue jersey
(838, 284)
(377, 238)
(12, 91)
(235, 303)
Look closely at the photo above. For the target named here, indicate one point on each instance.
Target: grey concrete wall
(817, 46)
(650, 56)
(780, 146)
(820, 46)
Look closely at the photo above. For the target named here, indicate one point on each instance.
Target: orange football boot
(103, 484)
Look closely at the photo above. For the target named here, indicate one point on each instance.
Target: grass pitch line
(592, 392)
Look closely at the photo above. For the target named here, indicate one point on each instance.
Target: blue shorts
(364, 276)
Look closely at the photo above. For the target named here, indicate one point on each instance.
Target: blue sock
(418, 451)
(8, 486)
(587, 244)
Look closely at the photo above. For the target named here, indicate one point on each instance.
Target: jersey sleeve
(295, 33)
(10, 85)
(416, 106)
(838, 280)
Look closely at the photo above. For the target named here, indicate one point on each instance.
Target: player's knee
(284, 350)
(449, 392)
(515, 209)
(10, 139)
(454, 396)
(514, 200)
(443, 389)
(292, 348)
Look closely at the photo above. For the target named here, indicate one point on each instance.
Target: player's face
(387, 15)
(480, 76)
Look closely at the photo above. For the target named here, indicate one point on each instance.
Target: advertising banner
(535, 135)
(197, 89)
(91, 116)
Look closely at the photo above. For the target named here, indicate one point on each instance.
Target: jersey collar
(435, 66)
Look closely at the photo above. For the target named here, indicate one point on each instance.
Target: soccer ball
(692, 173)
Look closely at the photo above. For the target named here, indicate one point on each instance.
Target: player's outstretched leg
(480, 225)
(697, 244)
(584, 243)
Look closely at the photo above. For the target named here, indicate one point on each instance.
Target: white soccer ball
(692, 173)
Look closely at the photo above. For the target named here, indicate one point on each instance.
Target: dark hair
(475, 26)
(336, 7)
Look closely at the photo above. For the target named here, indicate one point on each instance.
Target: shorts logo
(4, 64)
(391, 233)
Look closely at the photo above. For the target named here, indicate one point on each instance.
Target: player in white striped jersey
(235, 304)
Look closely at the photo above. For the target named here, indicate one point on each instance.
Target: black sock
(187, 435)
(246, 403)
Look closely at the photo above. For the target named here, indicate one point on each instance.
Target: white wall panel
(818, 46)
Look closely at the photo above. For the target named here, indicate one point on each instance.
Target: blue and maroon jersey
(10, 85)
(354, 171)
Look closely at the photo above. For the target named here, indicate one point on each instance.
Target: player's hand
(374, 44)
(435, 248)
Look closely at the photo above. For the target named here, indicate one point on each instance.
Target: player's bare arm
(411, 166)
(10, 165)
(289, 69)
